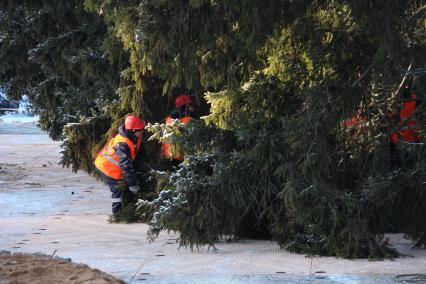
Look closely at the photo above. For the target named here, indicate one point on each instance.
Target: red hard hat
(133, 122)
(183, 100)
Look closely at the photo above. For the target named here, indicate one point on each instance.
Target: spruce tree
(74, 70)
(69, 65)
(318, 184)
(274, 155)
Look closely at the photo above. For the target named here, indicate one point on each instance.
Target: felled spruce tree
(318, 184)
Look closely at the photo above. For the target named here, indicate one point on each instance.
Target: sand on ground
(27, 268)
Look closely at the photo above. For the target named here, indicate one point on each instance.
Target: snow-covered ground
(18, 118)
(19, 123)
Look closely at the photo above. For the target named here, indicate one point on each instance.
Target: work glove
(134, 188)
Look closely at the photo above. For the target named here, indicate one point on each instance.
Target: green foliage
(404, 195)
(54, 55)
(336, 224)
(197, 205)
(262, 179)
(275, 155)
(319, 186)
(192, 44)
(82, 138)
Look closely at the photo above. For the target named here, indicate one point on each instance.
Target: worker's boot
(116, 207)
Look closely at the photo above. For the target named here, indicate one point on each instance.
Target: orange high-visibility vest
(166, 148)
(408, 131)
(107, 160)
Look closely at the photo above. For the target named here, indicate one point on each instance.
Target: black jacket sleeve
(126, 163)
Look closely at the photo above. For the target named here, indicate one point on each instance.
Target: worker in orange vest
(115, 161)
(408, 129)
(407, 125)
(184, 111)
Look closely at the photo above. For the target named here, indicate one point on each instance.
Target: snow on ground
(18, 118)
(19, 123)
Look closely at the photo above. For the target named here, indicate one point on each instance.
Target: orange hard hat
(133, 122)
(183, 100)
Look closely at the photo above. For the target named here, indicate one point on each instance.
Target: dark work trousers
(116, 192)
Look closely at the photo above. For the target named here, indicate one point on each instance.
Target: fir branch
(372, 65)
(416, 16)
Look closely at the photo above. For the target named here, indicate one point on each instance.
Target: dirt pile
(29, 268)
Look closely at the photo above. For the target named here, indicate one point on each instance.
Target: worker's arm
(126, 163)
